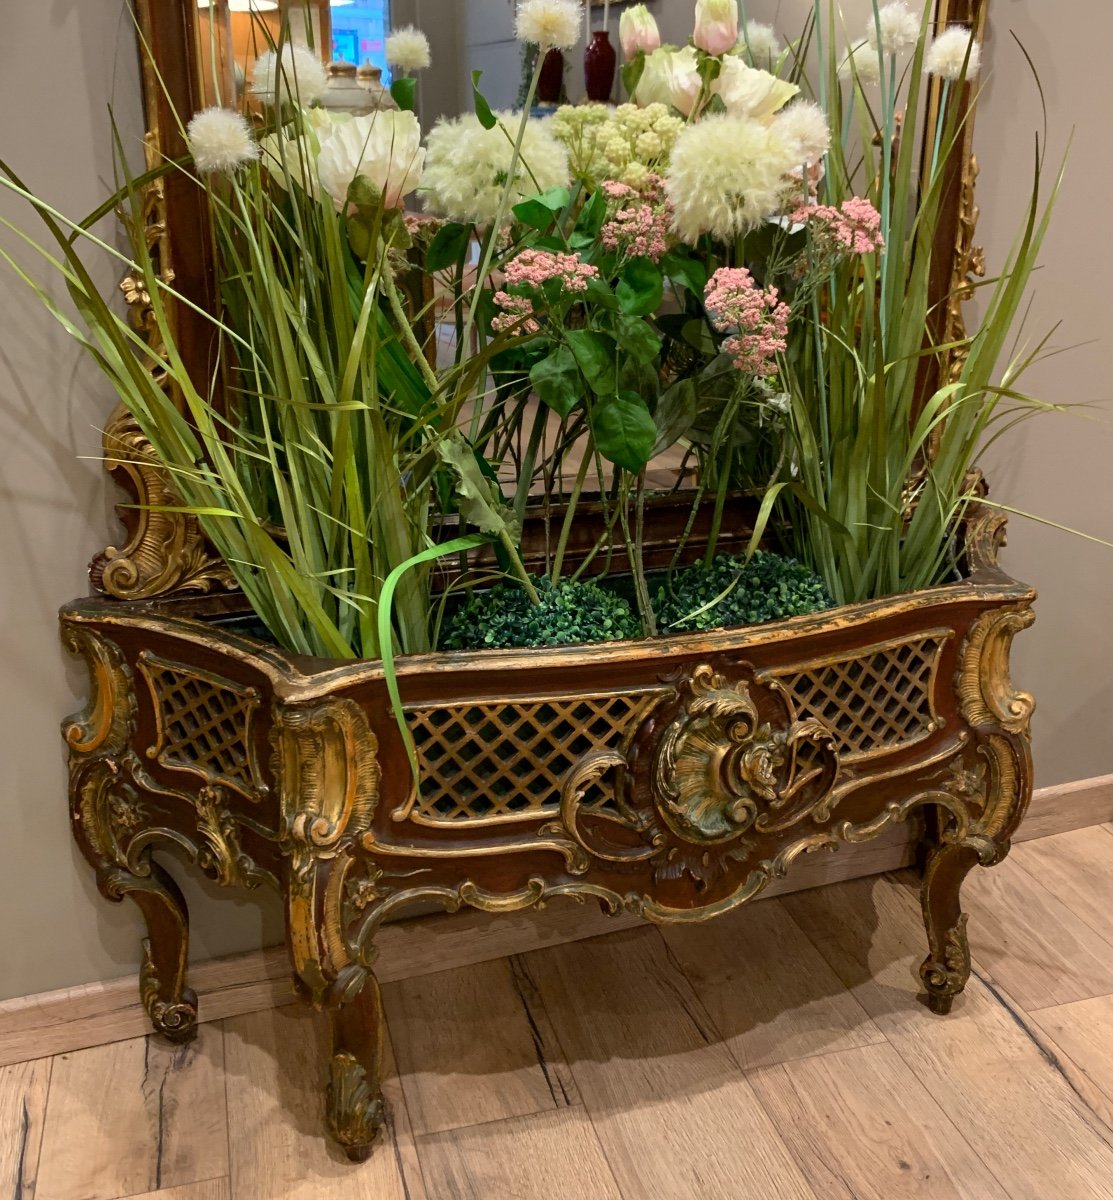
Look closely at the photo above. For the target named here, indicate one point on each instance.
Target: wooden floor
(779, 1053)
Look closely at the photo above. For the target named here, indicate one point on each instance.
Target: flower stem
(504, 198)
(570, 511)
(402, 320)
(518, 567)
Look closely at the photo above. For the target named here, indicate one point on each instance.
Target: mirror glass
(464, 35)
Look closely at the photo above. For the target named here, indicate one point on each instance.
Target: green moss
(767, 588)
(569, 614)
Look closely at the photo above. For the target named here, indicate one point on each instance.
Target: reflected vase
(550, 85)
(600, 64)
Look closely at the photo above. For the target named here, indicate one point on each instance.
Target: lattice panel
(505, 761)
(204, 724)
(876, 702)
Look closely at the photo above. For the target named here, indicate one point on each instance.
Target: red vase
(551, 83)
(600, 64)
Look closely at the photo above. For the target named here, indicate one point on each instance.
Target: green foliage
(570, 613)
(767, 588)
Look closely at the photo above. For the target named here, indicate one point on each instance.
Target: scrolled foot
(354, 1106)
(946, 979)
(173, 1009)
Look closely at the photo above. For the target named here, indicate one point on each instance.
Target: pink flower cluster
(529, 272)
(852, 228)
(639, 219)
(758, 320)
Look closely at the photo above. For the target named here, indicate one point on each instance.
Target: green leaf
(624, 431)
(641, 378)
(482, 109)
(637, 338)
(479, 500)
(687, 271)
(632, 74)
(404, 92)
(641, 287)
(592, 217)
(539, 212)
(595, 353)
(676, 413)
(448, 246)
(558, 381)
(600, 295)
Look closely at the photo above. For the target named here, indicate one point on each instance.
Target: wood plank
(133, 1117)
(275, 1074)
(863, 1127)
(212, 1189)
(546, 1156)
(1067, 806)
(23, 1093)
(1077, 868)
(1083, 1033)
(769, 992)
(474, 1045)
(1031, 942)
(74, 1018)
(82, 1017)
(672, 1110)
(987, 1065)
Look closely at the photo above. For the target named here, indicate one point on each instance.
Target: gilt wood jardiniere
(673, 778)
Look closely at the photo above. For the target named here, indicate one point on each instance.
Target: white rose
(670, 77)
(750, 92)
(383, 147)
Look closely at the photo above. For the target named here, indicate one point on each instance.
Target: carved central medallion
(721, 769)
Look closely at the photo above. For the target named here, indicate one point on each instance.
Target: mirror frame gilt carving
(165, 553)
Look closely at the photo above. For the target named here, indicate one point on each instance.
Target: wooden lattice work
(203, 723)
(506, 761)
(880, 700)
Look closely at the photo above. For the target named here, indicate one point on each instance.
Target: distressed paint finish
(713, 788)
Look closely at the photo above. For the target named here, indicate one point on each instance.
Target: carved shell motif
(720, 771)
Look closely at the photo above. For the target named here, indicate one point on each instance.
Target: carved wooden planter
(671, 778)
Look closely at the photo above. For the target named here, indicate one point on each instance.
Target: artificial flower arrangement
(735, 262)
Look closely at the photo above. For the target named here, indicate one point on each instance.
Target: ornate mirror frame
(165, 553)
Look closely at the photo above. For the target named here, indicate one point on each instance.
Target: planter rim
(309, 677)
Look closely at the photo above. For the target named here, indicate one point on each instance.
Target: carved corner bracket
(165, 551)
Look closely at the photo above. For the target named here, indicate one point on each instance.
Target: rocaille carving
(719, 770)
(985, 690)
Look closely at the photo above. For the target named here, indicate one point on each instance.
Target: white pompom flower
(299, 78)
(760, 42)
(384, 148)
(862, 64)
(407, 49)
(468, 166)
(803, 128)
(550, 24)
(895, 26)
(727, 174)
(220, 141)
(947, 55)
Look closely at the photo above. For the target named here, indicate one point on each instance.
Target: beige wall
(56, 930)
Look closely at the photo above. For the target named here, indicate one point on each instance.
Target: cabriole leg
(947, 966)
(355, 1107)
(171, 1005)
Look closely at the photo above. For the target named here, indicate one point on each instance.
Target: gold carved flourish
(948, 977)
(165, 550)
(354, 1108)
(984, 685)
(326, 760)
(970, 264)
(719, 771)
(109, 718)
(174, 1019)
